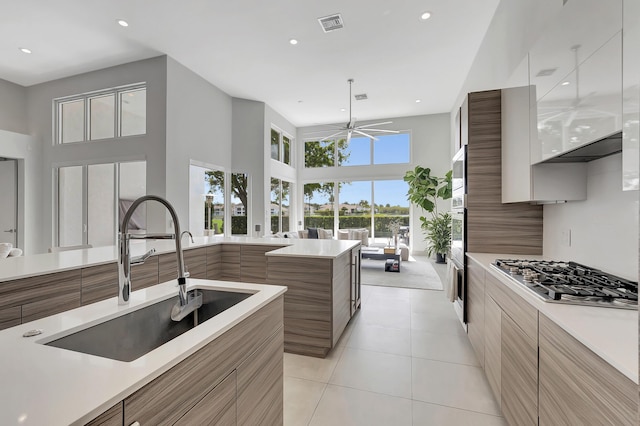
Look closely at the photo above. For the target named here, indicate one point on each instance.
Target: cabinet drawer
(99, 283)
(521, 312)
(195, 262)
(493, 346)
(10, 317)
(218, 407)
(145, 274)
(476, 308)
(579, 387)
(519, 375)
(111, 417)
(230, 268)
(169, 397)
(260, 384)
(39, 288)
(214, 262)
(50, 306)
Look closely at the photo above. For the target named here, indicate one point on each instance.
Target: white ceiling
(242, 47)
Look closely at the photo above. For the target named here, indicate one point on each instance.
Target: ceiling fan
(350, 127)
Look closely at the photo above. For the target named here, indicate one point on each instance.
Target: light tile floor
(404, 359)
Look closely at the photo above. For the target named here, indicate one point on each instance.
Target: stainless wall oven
(458, 230)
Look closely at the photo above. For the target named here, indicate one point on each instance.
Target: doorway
(9, 201)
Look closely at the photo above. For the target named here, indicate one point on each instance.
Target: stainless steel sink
(132, 335)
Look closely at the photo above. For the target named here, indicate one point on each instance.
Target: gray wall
(149, 147)
(198, 129)
(247, 153)
(13, 107)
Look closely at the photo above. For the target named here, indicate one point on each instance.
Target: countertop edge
(559, 313)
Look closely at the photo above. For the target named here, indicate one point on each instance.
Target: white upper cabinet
(576, 69)
(631, 95)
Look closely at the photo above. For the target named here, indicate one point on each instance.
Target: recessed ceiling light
(343, 109)
(293, 41)
(123, 23)
(425, 15)
(565, 83)
(418, 101)
(25, 50)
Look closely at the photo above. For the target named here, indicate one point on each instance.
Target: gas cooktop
(570, 282)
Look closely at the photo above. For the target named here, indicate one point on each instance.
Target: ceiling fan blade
(330, 136)
(378, 124)
(365, 134)
(379, 130)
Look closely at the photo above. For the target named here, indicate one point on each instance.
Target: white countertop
(610, 333)
(45, 385)
(47, 263)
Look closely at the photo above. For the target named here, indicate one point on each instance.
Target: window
(90, 203)
(319, 153)
(217, 183)
(358, 151)
(279, 205)
(97, 115)
(280, 147)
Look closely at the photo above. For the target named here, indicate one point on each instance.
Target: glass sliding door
(92, 199)
(101, 208)
(319, 203)
(354, 211)
(71, 206)
(391, 205)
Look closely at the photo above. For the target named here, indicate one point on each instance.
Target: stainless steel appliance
(571, 283)
(458, 228)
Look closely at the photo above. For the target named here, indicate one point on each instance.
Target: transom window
(280, 146)
(105, 114)
(358, 151)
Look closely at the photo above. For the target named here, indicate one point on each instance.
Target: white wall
(430, 147)
(28, 153)
(149, 147)
(13, 107)
(196, 201)
(604, 227)
(198, 128)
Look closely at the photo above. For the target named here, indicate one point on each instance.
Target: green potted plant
(424, 192)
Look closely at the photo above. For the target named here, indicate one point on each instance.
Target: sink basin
(132, 335)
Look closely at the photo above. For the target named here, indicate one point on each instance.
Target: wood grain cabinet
(99, 283)
(475, 306)
(230, 266)
(214, 262)
(577, 387)
(176, 393)
(218, 407)
(253, 263)
(112, 417)
(38, 297)
(145, 274)
(493, 346)
(195, 263)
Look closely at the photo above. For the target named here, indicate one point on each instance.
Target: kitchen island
(229, 365)
(559, 363)
(322, 275)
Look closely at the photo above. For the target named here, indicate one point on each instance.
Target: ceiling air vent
(546, 73)
(331, 22)
(361, 97)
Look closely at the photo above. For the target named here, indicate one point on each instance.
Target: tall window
(217, 204)
(280, 146)
(91, 200)
(358, 151)
(105, 114)
(280, 205)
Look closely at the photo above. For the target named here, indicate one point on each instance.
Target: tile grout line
(327, 384)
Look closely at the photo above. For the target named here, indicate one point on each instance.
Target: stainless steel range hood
(598, 149)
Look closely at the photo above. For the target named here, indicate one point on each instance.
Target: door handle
(10, 230)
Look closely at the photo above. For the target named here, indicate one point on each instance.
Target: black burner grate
(571, 281)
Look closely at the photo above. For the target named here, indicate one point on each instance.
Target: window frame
(86, 98)
(281, 146)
